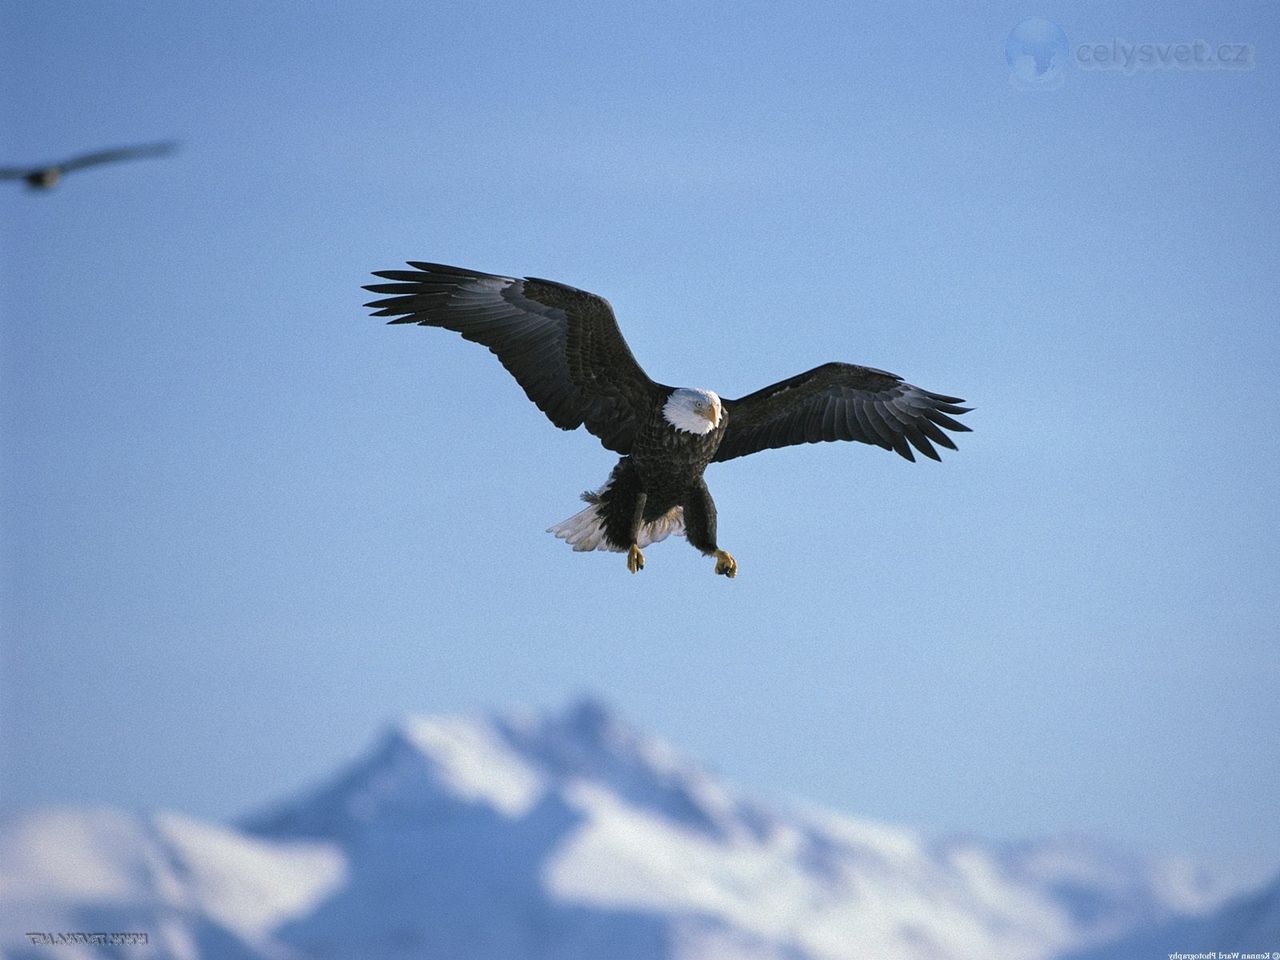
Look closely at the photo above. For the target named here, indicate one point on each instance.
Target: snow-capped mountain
(574, 837)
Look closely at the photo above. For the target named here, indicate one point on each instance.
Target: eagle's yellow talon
(725, 564)
(635, 559)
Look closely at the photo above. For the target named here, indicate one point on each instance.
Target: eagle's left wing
(841, 401)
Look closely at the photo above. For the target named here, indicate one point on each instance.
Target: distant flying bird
(564, 348)
(44, 177)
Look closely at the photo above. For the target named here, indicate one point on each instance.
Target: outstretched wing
(841, 401)
(561, 344)
(119, 153)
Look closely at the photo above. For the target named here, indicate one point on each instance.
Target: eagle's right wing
(842, 401)
(561, 344)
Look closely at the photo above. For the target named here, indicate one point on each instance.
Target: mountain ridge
(562, 835)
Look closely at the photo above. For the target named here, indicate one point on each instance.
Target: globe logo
(1037, 54)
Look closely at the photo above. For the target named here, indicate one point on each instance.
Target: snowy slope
(196, 889)
(1249, 924)
(571, 837)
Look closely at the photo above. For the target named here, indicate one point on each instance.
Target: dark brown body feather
(668, 465)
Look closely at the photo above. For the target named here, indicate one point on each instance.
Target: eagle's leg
(635, 559)
(725, 564)
(700, 527)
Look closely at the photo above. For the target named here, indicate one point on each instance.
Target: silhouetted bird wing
(561, 344)
(841, 401)
(119, 153)
(47, 175)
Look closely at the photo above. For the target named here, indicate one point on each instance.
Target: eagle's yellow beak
(714, 415)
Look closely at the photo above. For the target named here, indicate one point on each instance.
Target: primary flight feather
(564, 348)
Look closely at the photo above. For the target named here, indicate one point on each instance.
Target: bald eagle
(564, 348)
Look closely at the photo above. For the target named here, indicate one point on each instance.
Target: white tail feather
(670, 522)
(585, 529)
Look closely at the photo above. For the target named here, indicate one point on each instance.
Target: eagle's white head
(693, 411)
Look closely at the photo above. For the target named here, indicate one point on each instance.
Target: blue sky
(244, 525)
